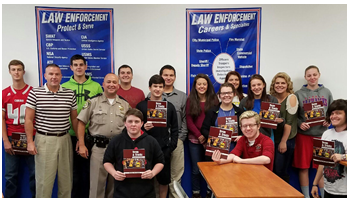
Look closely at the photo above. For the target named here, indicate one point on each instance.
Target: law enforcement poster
(64, 32)
(223, 40)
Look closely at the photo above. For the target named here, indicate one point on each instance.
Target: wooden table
(245, 181)
(344, 163)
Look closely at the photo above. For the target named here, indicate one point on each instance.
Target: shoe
(197, 195)
(208, 195)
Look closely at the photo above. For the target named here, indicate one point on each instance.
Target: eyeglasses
(226, 93)
(248, 125)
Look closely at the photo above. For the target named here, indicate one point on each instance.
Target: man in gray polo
(51, 106)
(178, 99)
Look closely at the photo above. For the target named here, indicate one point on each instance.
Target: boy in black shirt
(132, 137)
(166, 136)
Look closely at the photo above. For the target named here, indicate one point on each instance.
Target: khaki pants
(99, 176)
(55, 155)
(177, 167)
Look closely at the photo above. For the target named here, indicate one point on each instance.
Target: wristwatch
(343, 157)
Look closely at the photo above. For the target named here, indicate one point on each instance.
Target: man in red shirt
(14, 99)
(253, 147)
(131, 94)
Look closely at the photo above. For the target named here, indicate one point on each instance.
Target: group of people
(78, 131)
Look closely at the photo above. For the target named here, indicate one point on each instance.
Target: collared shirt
(178, 99)
(52, 109)
(263, 145)
(105, 118)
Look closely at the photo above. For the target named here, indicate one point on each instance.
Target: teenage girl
(224, 109)
(282, 88)
(202, 97)
(311, 92)
(235, 79)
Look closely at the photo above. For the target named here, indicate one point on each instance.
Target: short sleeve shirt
(263, 145)
(105, 118)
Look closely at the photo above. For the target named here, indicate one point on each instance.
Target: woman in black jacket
(225, 109)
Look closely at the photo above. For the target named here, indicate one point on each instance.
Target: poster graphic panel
(223, 40)
(64, 32)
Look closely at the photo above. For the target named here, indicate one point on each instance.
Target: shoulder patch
(87, 104)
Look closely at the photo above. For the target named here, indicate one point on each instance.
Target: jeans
(232, 146)
(197, 152)
(283, 161)
(81, 174)
(12, 164)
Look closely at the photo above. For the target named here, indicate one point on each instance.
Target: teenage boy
(334, 177)
(166, 136)
(178, 99)
(133, 138)
(84, 88)
(253, 147)
(14, 98)
(131, 94)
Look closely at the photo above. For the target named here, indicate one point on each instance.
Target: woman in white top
(235, 79)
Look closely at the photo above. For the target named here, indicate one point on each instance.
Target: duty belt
(53, 134)
(101, 140)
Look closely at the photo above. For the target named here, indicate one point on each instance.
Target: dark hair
(133, 111)
(16, 62)
(227, 84)
(239, 91)
(124, 66)
(264, 97)
(156, 79)
(310, 67)
(52, 65)
(211, 97)
(77, 57)
(339, 104)
(167, 67)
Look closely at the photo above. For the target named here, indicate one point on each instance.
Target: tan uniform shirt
(105, 119)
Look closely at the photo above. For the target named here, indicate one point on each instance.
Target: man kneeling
(133, 138)
(253, 147)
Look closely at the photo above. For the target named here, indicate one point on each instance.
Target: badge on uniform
(121, 108)
(87, 104)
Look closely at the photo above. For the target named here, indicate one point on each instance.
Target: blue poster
(64, 32)
(223, 40)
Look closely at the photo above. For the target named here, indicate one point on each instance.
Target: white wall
(150, 36)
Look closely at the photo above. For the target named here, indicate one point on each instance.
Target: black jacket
(212, 114)
(162, 134)
(265, 131)
(133, 187)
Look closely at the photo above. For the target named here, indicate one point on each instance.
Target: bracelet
(314, 185)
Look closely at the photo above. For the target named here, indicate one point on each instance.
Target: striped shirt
(52, 110)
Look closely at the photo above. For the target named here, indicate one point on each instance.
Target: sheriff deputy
(105, 112)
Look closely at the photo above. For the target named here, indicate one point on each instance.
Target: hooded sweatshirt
(83, 92)
(306, 95)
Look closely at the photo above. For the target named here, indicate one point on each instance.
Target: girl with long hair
(282, 88)
(202, 97)
(256, 95)
(235, 79)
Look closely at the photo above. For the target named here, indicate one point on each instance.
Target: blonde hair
(250, 114)
(286, 78)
